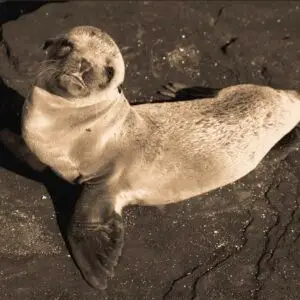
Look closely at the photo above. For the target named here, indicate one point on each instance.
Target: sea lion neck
(67, 114)
(41, 96)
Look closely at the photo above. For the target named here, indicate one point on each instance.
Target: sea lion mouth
(72, 84)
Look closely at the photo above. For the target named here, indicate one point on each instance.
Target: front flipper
(96, 235)
(178, 91)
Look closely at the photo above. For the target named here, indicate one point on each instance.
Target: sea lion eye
(60, 47)
(47, 44)
(64, 48)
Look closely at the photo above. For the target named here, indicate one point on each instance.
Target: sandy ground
(239, 242)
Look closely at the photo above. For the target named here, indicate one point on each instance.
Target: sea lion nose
(84, 66)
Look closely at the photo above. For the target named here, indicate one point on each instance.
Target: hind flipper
(179, 91)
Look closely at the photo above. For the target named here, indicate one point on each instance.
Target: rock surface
(239, 242)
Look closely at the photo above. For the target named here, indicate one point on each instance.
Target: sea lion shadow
(64, 196)
(62, 193)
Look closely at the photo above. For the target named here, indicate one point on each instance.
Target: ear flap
(109, 72)
(120, 88)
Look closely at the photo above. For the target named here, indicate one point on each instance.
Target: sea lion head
(82, 62)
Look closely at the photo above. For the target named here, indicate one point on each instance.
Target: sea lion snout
(85, 66)
(73, 85)
(77, 83)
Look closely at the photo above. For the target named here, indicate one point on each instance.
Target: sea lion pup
(78, 121)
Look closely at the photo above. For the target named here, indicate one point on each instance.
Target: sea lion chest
(64, 138)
